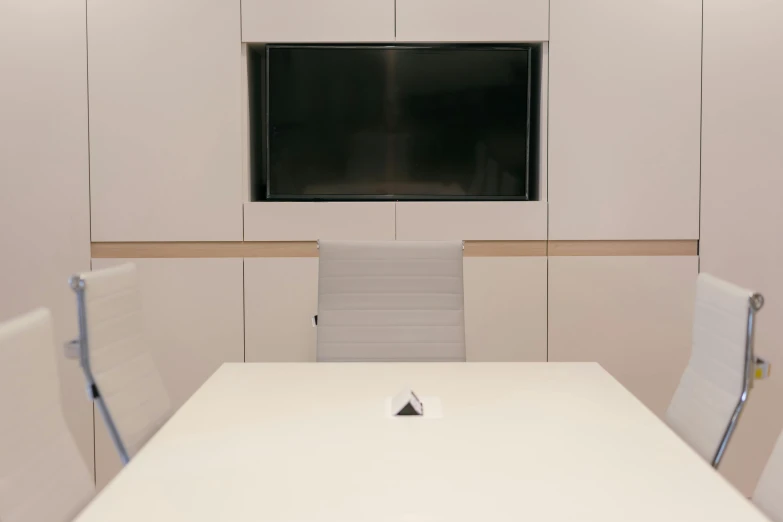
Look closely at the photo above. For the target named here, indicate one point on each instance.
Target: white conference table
(514, 442)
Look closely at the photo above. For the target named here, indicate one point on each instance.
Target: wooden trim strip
(204, 249)
(216, 249)
(625, 248)
(505, 248)
(281, 249)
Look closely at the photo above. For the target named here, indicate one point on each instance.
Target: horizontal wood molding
(505, 248)
(624, 248)
(206, 249)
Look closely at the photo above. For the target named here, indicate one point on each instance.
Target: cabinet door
(624, 119)
(473, 20)
(632, 315)
(471, 220)
(505, 308)
(165, 120)
(193, 324)
(44, 176)
(311, 221)
(281, 298)
(274, 21)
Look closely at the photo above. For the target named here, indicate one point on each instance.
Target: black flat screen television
(396, 122)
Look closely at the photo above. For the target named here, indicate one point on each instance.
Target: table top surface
(515, 441)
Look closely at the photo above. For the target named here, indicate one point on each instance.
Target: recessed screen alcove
(394, 122)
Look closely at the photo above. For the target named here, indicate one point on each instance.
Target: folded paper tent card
(406, 403)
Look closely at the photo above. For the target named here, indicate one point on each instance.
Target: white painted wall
(44, 175)
(742, 184)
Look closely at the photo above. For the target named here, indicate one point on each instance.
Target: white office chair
(121, 376)
(712, 392)
(390, 301)
(42, 474)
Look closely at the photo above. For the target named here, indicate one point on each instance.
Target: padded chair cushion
(124, 370)
(390, 301)
(712, 383)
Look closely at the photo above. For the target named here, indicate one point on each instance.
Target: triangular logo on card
(408, 409)
(407, 404)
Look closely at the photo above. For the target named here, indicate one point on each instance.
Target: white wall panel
(624, 119)
(472, 220)
(506, 309)
(633, 315)
(281, 298)
(165, 120)
(310, 221)
(302, 21)
(472, 20)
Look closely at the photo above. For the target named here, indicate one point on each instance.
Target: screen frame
(533, 129)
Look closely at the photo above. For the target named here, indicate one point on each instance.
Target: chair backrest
(769, 491)
(390, 301)
(713, 389)
(42, 474)
(115, 357)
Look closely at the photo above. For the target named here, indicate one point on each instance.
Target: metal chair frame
(79, 286)
(755, 303)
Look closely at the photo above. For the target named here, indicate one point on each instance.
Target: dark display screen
(400, 122)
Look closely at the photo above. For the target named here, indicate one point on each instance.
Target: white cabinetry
(471, 220)
(311, 221)
(624, 119)
(505, 308)
(165, 120)
(281, 298)
(633, 315)
(306, 21)
(472, 20)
